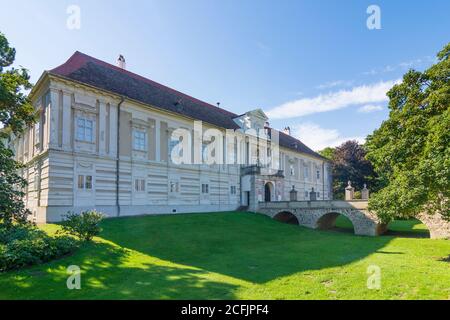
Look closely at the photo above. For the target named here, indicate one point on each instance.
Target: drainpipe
(122, 99)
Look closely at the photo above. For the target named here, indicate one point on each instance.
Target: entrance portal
(268, 192)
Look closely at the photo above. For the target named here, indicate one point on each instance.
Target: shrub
(85, 225)
(24, 245)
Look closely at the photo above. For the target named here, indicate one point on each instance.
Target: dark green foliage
(16, 112)
(411, 150)
(349, 163)
(12, 208)
(327, 153)
(24, 245)
(85, 225)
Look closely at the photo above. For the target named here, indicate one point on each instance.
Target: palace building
(106, 139)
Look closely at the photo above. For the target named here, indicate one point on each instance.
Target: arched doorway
(286, 217)
(268, 190)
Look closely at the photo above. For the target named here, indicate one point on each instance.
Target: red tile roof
(89, 70)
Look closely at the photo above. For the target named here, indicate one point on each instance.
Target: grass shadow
(106, 273)
(247, 246)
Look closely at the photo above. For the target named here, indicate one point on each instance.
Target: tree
(411, 150)
(328, 153)
(16, 112)
(349, 163)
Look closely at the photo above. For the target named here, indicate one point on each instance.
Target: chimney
(121, 62)
(287, 130)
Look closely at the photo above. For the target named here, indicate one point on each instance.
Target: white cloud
(332, 84)
(365, 94)
(405, 65)
(318, 138)
(368, 108)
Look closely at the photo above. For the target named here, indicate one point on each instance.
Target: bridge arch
(322, 214)
(286, 217)
(438, 227)
(328, 220)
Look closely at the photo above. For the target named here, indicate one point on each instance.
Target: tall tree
(328, 153)
(411, 150)
(349, 163)
(16, 112)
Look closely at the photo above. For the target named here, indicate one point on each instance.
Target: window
(80, 182)
(247, 153)
(84, 182)
(139, 185)
(235, 151)
(88, 183)
(85, 130)
(318, 174)
(306, 195)
(36, 181)
(37, 133)
(318, 195)
(205, 188)
(139, 140)
(233, 189)
(173, 143)
(292, 171)
(206, 152)
(306, 171)
(173, 186)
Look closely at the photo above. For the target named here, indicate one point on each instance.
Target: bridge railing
(354, 204)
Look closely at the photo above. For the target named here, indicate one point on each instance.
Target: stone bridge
(323, 215)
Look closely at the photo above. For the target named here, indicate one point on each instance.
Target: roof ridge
(299, 141)
(142, 78)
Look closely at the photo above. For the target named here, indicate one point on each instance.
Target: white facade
(73, 164)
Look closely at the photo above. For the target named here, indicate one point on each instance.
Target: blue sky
(312, 65)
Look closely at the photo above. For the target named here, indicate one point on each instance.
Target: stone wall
(438, 227)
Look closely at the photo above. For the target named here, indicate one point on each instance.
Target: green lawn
(402, 228)
(237, 256)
